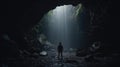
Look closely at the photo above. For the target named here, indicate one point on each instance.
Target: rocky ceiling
(18, 16)
(23, 14)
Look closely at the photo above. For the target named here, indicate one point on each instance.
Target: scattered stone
(43, 53)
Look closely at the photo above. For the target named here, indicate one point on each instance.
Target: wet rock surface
(68, 60)
(92, 56)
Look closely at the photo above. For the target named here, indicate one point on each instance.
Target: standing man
(60, 50)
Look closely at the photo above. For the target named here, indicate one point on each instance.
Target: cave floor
(51, 60)
(71, 60)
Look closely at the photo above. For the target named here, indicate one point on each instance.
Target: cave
(89, 29)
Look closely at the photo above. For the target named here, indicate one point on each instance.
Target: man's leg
(61, 54)
(58, 55)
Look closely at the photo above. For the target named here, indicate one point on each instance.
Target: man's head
(60, 43)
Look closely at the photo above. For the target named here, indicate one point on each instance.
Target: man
(60, 50)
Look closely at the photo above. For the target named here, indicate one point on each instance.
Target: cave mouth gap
(67, 24)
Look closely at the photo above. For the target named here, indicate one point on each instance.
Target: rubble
(43, 53)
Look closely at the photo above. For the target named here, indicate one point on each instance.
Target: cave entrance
(67, 24)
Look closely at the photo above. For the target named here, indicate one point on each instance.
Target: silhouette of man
(60, 50)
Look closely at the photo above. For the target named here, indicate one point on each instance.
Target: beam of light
(61, 26)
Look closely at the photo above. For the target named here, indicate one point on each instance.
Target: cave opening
(67, 24)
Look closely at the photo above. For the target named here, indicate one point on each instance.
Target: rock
(43, 53)
(71, 61)
(82, 52)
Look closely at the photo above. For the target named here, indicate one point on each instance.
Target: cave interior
(19, 29)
